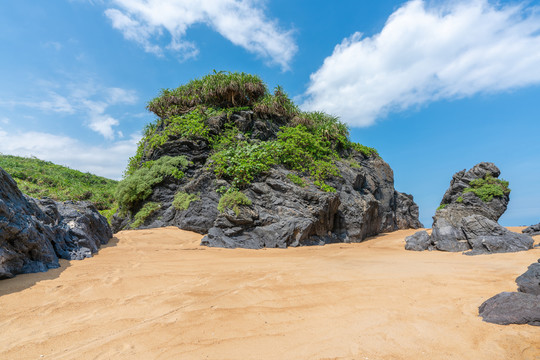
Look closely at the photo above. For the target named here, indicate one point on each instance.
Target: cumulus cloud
(108, 161)
(426, 53)
(240, 21)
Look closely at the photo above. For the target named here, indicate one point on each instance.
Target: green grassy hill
(39, 179)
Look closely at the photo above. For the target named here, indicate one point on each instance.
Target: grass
(488, 187)
(146, 211)
(233, 199)
(182, 200)
(39, 179)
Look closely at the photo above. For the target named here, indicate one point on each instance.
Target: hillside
(38, 178)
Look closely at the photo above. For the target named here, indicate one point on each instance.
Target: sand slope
(156, 294)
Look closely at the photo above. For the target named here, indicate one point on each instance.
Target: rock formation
(267, 175)
(532, 230)
(34, 234)
(467, 217)
(521, 307)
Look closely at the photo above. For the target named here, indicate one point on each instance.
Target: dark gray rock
(35, 233)
(529, 282)
(419, 241)
(511, 308)
(532, 230)
(282, 213)
(465, 222)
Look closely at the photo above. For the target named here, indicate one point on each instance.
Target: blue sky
(435, 86)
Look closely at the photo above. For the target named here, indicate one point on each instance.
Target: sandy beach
(157, 294)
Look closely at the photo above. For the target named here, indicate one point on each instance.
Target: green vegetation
(39, 179)
(297, 180)
(442, 206)
(307, 143)
(148, 209)
(232, 200)
(182, 200)
(138, 186)
(488, 187)
(459, 200)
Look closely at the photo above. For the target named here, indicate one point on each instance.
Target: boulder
(34, 234)
(529, 282)
(512, 308)
(532, 230)
(467, 222)
(419, 241)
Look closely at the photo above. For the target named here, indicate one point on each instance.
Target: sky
(435, 86)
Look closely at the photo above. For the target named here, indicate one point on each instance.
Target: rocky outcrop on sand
(521, 307)
(532, 230)
(34, 234)
(282, 212)
(468, 215)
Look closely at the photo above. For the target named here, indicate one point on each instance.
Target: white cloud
(108, 161)
(240, 21)
(427, 53)
(4, 120)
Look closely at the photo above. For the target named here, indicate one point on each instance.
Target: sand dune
(156, 294)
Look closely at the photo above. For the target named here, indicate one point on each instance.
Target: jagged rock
(282, 213)
(529, 282)
(35, 233)
(511, 308)
(532, 230)
(466, 222)
(419, 241)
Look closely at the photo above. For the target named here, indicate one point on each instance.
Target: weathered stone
(511, 308)
(419, 241)
(532, 230)
(466, 222)
(35, 233)
(529, 282)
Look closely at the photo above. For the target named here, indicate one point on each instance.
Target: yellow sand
(156, 294)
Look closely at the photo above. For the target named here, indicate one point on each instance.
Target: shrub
(442, 206)
(297, 180)
(138, 186)
(232, 200)
(277, 104)
(326, 126)
(182, 200)
(242, 161)
(367, 151)
(148, 209)
(459, 200)
(488, 187)
(219, 90)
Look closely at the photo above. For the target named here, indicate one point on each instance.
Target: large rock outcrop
(34, 234)
(521, 307)
(283, 212)
(468, 215)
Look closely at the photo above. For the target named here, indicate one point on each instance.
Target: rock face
(34, 234)
(283, 213)
(532, 230)
(466, 222)
(522, 307)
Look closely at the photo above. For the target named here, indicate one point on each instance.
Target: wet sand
(157, 294)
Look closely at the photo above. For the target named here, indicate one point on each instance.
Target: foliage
(297, 180)
(219, 90)
(324, 187)
(488, 187)
(232, 199)
(138, 186)
(326, 126)
(353, 163)
(242, 161)
(182, 200)
(459, 200)
(277, 104)
(39, 179)
(442, 206)
(148, 209)
(367, 151)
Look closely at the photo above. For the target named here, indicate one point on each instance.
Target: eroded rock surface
(466, 222)
(521, 307)
(532, 230)
(34, 234)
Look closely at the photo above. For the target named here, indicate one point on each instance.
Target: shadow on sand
(25, 281)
